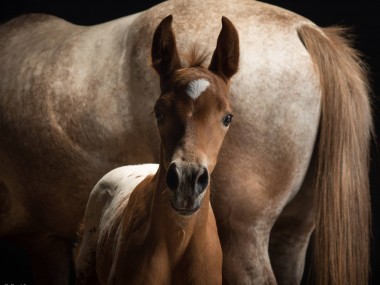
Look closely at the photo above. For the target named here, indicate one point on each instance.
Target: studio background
(361, 17)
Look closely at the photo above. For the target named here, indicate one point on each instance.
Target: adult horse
(76, 102)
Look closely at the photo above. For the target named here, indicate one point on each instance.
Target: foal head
(193, 113)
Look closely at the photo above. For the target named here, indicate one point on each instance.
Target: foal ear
(165, 57)
(225, 60)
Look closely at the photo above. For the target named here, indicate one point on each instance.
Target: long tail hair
(343, 216)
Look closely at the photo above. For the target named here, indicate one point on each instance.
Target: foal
(153, 224)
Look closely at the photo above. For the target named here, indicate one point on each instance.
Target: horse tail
(342, 202)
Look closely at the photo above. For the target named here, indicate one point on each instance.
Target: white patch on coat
(111, 194)
(196, 87)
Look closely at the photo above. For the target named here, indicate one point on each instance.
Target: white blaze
(196, 87)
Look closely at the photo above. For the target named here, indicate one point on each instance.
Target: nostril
(172, 177)
(202, 181)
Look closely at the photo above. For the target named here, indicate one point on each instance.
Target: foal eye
(227, 120)
(159, 116)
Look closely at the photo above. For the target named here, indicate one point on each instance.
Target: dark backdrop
(363, 18)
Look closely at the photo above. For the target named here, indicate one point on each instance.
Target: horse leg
(290, 235)
(243, 227)
(247, 203)
(51, 259)
(245, 257)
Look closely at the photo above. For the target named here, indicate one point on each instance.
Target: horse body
(82, 115)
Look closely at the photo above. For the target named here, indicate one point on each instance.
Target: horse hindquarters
(334, 197)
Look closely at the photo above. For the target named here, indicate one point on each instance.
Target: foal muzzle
(187, 182)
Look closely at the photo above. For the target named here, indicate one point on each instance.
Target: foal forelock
(196, 87)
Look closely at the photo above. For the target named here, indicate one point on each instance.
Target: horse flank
(341, 238)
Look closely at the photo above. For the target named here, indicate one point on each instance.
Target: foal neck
(175, 230)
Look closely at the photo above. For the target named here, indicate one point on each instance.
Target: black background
(361, 17)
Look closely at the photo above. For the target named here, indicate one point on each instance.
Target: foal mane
(196, 57)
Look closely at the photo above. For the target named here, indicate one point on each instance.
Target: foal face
(192, 118)
(193, 113)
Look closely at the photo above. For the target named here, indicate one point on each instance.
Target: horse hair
(342, 202)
